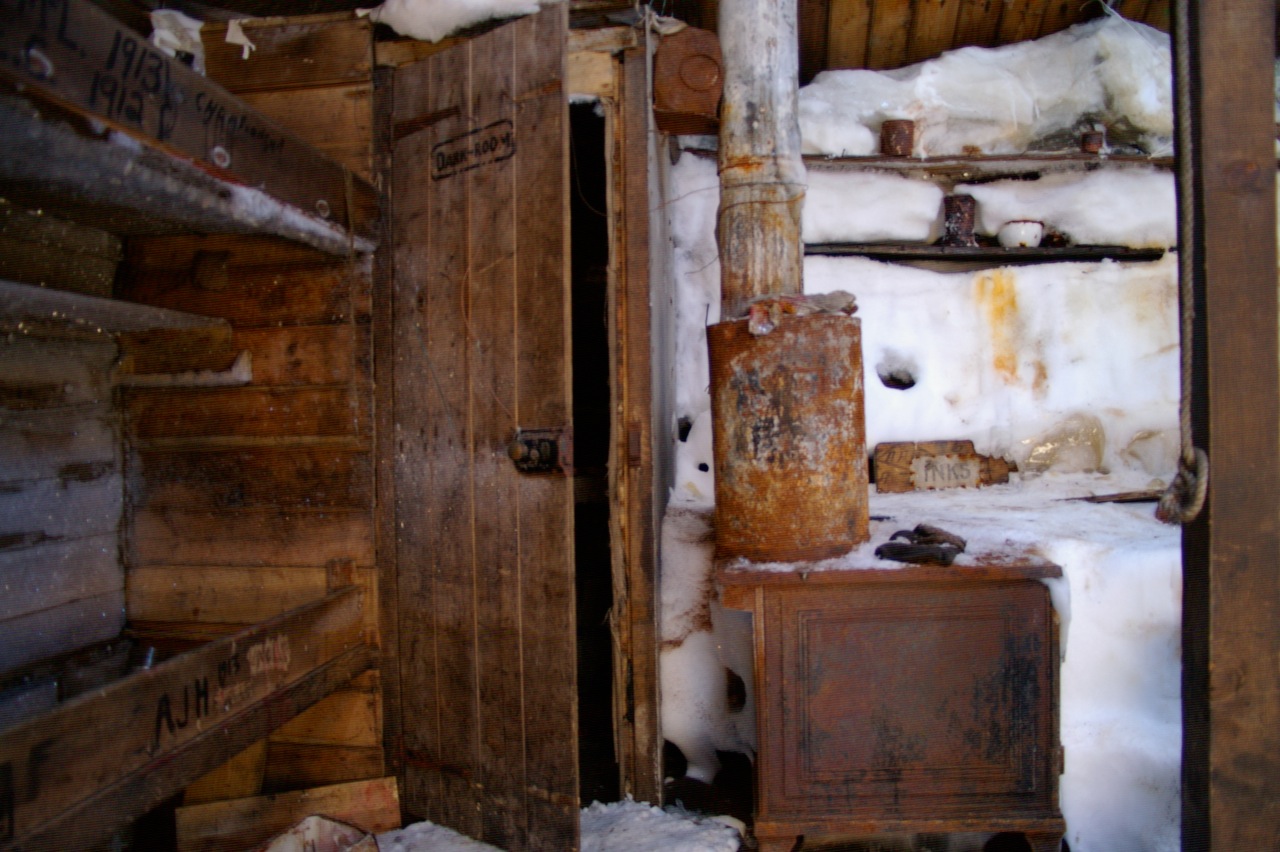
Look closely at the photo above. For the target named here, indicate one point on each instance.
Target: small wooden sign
(932, 465)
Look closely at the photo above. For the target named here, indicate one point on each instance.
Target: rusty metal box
(919, 699)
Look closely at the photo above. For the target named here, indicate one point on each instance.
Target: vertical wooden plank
(633, 458)
(543, 392)
(812, 22)
(850, 26)
(432, 469)
(384, 373)
(890, 28)
(497, 80)
(1159, 15)
(1224, 54)
(1020, 21)
(1058, 15)
(978, 23)
(933, 24)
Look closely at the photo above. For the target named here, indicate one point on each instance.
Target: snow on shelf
(44, 308)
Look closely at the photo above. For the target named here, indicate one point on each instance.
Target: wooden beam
(1224, 76)
(76, 55)
(93, 764)
(812, 18)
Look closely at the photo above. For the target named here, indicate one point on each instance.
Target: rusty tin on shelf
(789, 438)
(897, 137)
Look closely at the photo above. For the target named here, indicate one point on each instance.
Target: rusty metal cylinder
(789, 435)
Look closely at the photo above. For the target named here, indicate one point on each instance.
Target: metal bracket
(542, 451)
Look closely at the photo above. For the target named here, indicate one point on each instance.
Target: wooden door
(481, 340)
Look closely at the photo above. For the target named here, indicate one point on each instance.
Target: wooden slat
(291, 766)
(87, 744)
(42, 249)
(246, 413)
(238, 778)
(1224, 56)
(180, 253)
(632, 462)
(335, 120)
(812, 22)
(250, 537)
(1020, 21)
(544, 391)
(55, 573)
(51, 374)
(978, 23)
(346, 718)
(117, 802)
(373, 806)
(220, 594)
(111, 73)
(46, 633)
(176, 350)
(933, 24)
(255, 297)
(850, 27)
(1058, 15)
(494, 304)
(315, 355)
(53, 509)
(888, 34)
(383, 359)
(286, 477)
(291, 53)
(60, 441)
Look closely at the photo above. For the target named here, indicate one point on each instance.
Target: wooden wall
(244, 502)
(61, 487)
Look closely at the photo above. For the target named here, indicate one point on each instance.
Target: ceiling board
(890, 27)
(933, 27)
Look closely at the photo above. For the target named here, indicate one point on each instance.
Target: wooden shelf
(982, 254)
(100, 126)
(985, 167)
(94, 763)
(44, 309)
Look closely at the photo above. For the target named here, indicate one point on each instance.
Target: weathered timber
(77, 55)
(36, 578)
(1224, 76)
(296, 766)
(238, 778)
(220, 594)
(347, 718)
(292, 52)
(64, 762)
(491, 212)
(47, 163)
(155, 415)
(373, 806)
(249, 537)
(34, 636)
(24, 303)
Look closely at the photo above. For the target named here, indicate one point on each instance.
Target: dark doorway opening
(588, 182)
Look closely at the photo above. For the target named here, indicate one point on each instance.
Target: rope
(1185, 496)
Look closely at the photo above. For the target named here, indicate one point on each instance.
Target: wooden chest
(919, 699)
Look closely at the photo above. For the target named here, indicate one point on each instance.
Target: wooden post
(1224, 53)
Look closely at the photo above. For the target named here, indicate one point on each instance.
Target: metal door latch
(542, 451)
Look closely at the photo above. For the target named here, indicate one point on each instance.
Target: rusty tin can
(897, 137)
(789, 436)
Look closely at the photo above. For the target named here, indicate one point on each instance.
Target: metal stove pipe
(787, 406)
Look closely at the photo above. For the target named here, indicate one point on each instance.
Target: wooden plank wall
(61, 486)
(244, 502)
(313, 74)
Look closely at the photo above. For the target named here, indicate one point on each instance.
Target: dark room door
(484, 553)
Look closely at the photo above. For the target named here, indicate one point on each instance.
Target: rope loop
(1184, 498)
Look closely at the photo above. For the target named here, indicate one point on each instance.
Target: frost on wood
(1032, 95)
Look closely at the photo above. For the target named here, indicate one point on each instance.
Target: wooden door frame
(612, 66)
(1223, 60)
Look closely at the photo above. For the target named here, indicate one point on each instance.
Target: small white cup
(1021, 233)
